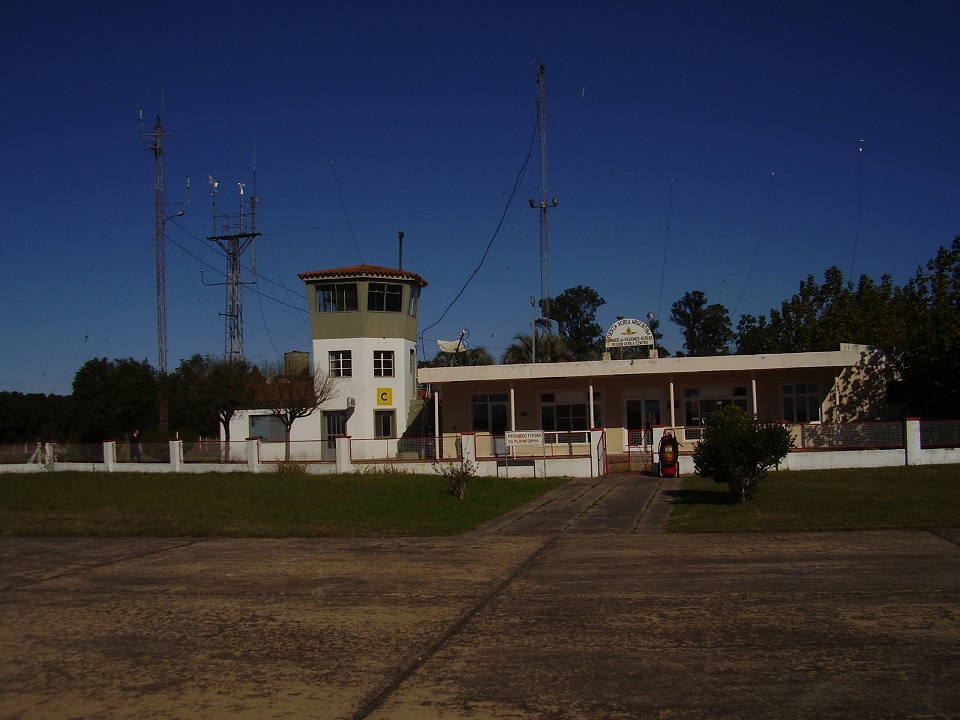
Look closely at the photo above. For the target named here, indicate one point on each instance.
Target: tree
(575, 312)
(549, 348)
(820, 316)
(737, 450)
(706, 328)
(931, 353)
(34, 416)
(205, 391)
(291, 396)
(654, 326)
(114, 397)
(753, 335)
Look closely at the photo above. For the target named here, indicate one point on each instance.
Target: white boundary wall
(591, 465)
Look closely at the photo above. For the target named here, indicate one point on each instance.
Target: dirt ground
(573, 607)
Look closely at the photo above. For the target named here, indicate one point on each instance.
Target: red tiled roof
(363, 271)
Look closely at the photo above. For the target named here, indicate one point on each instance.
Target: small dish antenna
(454, 346)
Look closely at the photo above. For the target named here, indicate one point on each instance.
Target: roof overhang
(355, 272)
(848, 355)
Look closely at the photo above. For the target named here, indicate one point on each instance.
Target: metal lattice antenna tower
(154, 142)
(159, 222)
(544, 204)
(234, 244)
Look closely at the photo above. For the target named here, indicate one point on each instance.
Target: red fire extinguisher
(669, 455)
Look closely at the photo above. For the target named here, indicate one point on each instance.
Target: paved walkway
(568, 608)
(617, 504)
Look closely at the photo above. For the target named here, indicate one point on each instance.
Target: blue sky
(774, 139)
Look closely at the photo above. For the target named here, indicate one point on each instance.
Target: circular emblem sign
(629, 333)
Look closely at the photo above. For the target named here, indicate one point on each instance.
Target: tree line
(917, 324)
(113, 398)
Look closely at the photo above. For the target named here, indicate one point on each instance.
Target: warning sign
(524, 437)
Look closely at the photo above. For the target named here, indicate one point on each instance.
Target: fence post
(596, 461)
(176, 454)
(253, 454)
(109, 455)
(344, 461)
(656, 435)
(468, 446)
(911, 441)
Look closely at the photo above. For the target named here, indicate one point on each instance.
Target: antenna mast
(237, 236)
(154, 142)
(544, 203)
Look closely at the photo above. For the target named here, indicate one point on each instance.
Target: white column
(344, 461)
(673, 415)
(753, 391)
(437, 430)
(911, 438)
(593, 421)
(513, 408)
(469, 445)
(109, 455)
(595, 447)
(253, 454)
(176, 455)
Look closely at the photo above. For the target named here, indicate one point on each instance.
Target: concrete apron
(542, 615)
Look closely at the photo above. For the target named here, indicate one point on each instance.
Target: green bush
(737, 450)
(458, 474)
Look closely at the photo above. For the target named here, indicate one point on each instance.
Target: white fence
(851, 445)
(574, 454)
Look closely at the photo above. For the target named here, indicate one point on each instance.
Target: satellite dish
(454, 346)
(451, 346)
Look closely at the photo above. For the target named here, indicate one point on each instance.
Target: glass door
(641, 412)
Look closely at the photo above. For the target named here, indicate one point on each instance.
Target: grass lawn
(248, 505)
(856, 499)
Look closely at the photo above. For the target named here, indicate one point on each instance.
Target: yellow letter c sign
(384, 396)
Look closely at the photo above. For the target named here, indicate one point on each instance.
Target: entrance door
(641, 412)
(336, 425)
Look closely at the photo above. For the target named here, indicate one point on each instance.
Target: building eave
(847, 356)
(362, 271)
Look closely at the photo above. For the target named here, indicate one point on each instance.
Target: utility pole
(236, 237)
(154, 142)
(543, 204)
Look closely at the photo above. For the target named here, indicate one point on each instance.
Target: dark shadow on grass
(702, 497)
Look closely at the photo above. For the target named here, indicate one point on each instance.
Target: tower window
(385, 297)
(337, 297)
(383, 363)
(341, 363)
(414, 304)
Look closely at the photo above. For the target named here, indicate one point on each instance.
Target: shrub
(458, 475)
(287, 468)
(737, 450)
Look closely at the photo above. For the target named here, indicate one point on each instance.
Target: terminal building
(628, 397)
(364, 322)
